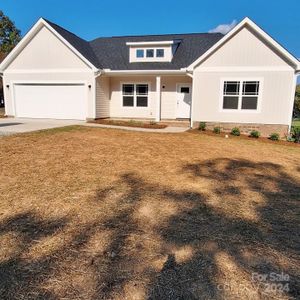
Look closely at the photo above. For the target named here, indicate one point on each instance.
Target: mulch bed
(245, 137)
(138, 124)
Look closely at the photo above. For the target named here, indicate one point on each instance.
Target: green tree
(296, 112)
(10, 35)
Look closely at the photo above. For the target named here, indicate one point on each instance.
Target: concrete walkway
(9, 126)
(163, 130)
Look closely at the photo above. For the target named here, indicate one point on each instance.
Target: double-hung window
(135, 95)
(241, 95)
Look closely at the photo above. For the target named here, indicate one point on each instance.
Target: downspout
(297, 73)
(190, 74)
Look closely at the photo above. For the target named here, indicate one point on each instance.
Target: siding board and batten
(257, 60)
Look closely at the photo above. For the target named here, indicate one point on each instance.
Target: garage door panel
(53, 101)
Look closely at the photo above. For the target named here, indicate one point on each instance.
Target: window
(135, 95)
(185, 90)
(150, 52)
(240, 95)
(140, 53)
(160, 52)
(250, 94)
(231, 94)
(128, 95)
(142, 95)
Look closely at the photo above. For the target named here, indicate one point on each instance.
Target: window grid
(140, 53)
(240, 92)
(135, 94)
(150, 53)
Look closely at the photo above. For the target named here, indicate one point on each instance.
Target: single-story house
(244, 78)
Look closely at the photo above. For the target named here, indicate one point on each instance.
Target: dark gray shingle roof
(113, 53)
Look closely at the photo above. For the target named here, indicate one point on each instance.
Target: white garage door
(51, 101)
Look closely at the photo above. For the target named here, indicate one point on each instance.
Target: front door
(184, 99)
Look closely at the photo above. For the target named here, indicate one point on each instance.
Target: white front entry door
(184, 100)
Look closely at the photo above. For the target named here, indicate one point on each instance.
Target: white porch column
(158, 98)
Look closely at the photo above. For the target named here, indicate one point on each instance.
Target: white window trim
(156, 53)
(239, 109)
(141, 57)
(135, 95)
(154, 57)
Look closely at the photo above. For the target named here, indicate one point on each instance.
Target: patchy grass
(296, 122)
(52, 131)
(89, 213)
(130, 123)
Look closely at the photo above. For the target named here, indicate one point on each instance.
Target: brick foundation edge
(245, 128)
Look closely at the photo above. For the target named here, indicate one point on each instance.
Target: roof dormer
(152, 51)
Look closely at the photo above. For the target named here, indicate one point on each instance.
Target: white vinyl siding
(46, 51)
(46, 59)
(244, 57)
(117, 110)
(244, 49)
(102, 97)
(275, 103)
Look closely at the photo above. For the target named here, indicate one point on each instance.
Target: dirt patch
(132, 123)
(93, 213)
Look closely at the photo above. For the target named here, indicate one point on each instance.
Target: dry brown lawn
(90, 213)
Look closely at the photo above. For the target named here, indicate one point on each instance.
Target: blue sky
(94, 18)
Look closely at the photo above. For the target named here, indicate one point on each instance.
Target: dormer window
(152, 51)
(160, 52)
(140, 53)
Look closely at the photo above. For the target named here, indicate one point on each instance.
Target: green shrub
(217, 130)
(202, 126)
(274, 136)
(153, 122)
(296, 133)
(235, 131)
(255, 134)
(289, 138)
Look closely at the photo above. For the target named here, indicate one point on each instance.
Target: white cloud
(224, 28)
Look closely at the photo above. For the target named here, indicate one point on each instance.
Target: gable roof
(77, 45)
(113, 53)
(246, 22)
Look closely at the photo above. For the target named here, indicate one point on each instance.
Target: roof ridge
(70, 32)
(152, 35)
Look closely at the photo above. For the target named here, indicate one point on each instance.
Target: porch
(165, 98)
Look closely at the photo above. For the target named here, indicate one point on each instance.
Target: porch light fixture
(89, 86)
(7, 86)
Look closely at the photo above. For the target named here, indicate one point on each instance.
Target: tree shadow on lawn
(19, 276)
(208, 252)
(165, 243)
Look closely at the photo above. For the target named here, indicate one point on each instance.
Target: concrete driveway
(10, 126)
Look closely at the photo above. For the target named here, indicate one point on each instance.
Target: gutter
(144, 72)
